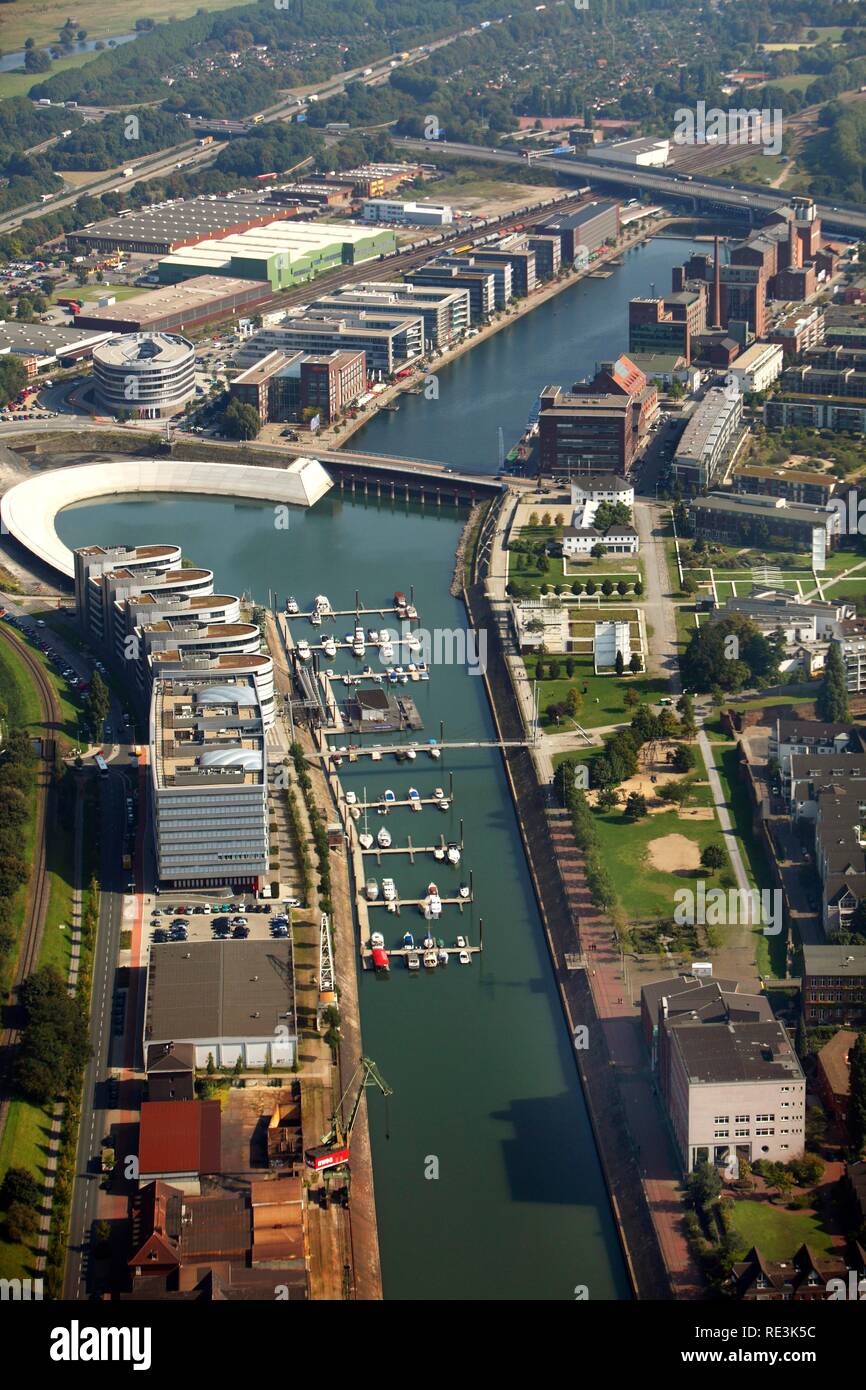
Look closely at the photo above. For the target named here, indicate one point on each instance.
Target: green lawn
(644, 890)
(779, 1232)
(603, 701)
(22, 1146)
(94, 290)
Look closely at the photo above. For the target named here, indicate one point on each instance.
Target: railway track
(38, 890)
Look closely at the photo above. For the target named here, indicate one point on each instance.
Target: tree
(211, 1065)
(689, 584)
(554, 670)
(634, 666)
(590, 587)
(241, 420)
(713, 857)
(539, 670)
(631, 698)
(607, 588)
(533, 519)
(684, 758)
(19, 1185)
(573, 702)
(36, 60)
(832, 703)
(638, 587)
(622, 588)
(636, 806)
(598, 551)
(607, 799)
(22, 1223)
(619, 663)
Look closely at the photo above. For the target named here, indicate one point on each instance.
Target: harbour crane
(334, 1149)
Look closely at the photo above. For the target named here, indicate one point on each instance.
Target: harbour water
(495, 384)
(488, 1184)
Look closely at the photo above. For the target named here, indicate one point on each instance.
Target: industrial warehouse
(167, 227)
(174, 308)
(284, 253)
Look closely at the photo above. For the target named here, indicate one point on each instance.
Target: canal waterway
(498, 382)
(488, 1184)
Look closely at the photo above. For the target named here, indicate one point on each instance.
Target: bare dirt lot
(674, 854)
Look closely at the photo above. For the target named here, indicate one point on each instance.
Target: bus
(101, 765)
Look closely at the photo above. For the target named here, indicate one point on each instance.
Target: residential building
(834, 985)
(833, 1076)
(765, 520)
(170, 1070)
(548, 254)
(795, 483)
(799, 331)
(652, 328)
(758, 367)
(609, 487)
(617, 539)
(804, 1278)
(709, 440)
(819, 413)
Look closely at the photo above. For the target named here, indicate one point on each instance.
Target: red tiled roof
(179, 1136)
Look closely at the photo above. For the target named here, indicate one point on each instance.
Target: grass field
(42, 20)
(93, 291)
(779, 1232)
(23, 1146)
(18, 84)
(643, 890)
(604, 700)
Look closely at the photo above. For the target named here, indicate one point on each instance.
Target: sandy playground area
(674, 853)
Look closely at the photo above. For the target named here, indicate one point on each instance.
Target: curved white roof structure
(28, 510)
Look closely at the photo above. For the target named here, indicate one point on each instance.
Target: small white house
(607, 487)
(610, 638)
(618, 540)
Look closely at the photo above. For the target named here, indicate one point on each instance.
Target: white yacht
(322, 604)
(316, 618)
(452, 854)
(292, 604)
(350, 798)
(329, 647)
(377, 939)
(384, 838)
(304, 652)
(371, 890)
(389, 890)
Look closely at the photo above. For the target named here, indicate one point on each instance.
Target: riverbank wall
(644, 1263)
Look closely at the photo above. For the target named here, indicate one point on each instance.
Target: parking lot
(231, 918)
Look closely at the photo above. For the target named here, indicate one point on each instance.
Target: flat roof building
(283, 254)
(169, 226)
(388, 338)
(208, 766)
(445, 312)
(228, 999)
(148, 376)
(763, 520)
(709, 439)
(178, 307)
(43, 344)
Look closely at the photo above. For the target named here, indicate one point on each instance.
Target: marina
(505, 1072)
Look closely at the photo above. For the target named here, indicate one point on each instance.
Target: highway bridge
(696, 194)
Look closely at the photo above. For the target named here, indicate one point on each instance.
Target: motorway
(739, 198)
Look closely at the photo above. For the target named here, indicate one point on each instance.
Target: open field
(23, 1146)
(490, 197)
(42, 20)
(18, 84)
(90, 293)
(646, 891)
